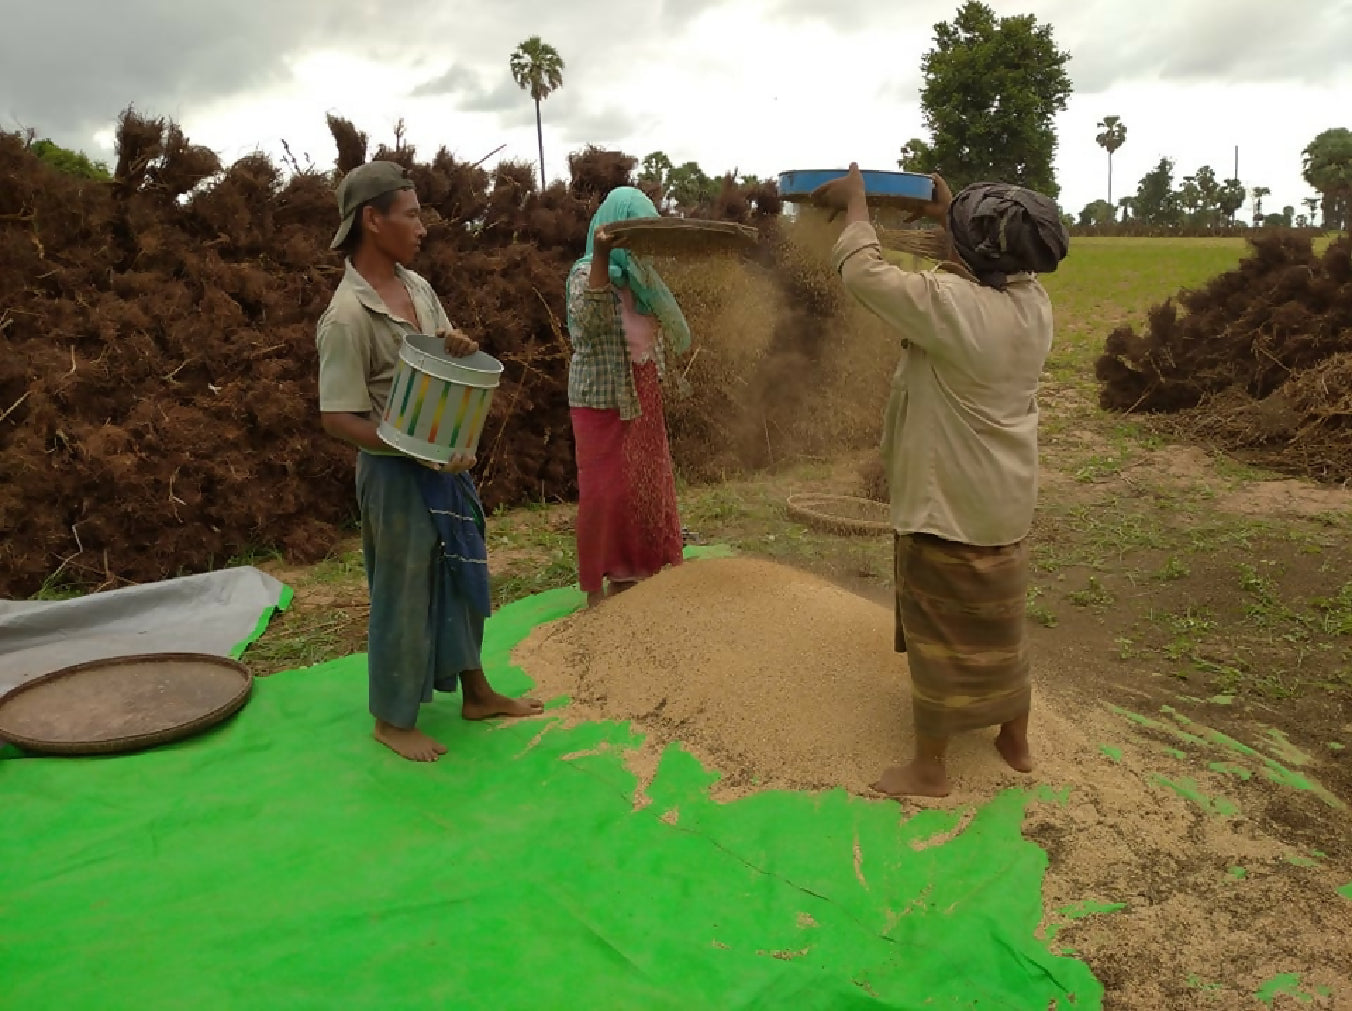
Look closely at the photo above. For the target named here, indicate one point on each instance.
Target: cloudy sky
(759, 85)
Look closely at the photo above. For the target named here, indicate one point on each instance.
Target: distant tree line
(1201, 203)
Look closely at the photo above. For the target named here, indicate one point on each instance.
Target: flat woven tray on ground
(123, 703)
(684, 236)
(840, 514)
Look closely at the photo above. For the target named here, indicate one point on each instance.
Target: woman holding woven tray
(622, 319)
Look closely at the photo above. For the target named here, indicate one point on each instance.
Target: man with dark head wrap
(998, 230)
(960, 447)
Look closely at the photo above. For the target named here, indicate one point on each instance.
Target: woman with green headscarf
(622, 319)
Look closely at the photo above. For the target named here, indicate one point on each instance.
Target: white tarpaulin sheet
(217, 612)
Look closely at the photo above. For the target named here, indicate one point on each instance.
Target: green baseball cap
(363, 183)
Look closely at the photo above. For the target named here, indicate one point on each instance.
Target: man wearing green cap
(422, 523)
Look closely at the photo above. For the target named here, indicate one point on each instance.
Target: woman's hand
(457, 344)
(602, 243)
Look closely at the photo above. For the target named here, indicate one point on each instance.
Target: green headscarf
(652, 297)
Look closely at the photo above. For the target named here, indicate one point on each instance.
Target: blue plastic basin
(801, 182)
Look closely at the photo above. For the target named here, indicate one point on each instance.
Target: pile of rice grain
(772, 676)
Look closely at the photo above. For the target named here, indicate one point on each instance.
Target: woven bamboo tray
(682, 237)
(840, 514)
(124, 703)
(929, 243)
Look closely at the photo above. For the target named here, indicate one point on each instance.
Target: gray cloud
(503, 97)
(468, 92)
(68, 67)
(457, 80)
(1113, 41)
(1250, 41)
(601, 127)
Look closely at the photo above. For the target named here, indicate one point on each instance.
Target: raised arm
(591, 309)
(908, 301)
(903, 299)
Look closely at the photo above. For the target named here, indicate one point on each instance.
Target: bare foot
(412, 744)
(1013, 747)
(493, 704)
(595, 597)
(914, 780)
(619, 586)
(481, 702)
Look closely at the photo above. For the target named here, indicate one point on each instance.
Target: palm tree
(1259, 192)
(1114, 135)
(537, 67)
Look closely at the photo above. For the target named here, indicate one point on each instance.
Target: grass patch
(302, 638)
(1094, 595)
(345, 568)
(1172, 570)
(1038, 611)
(1111, 282)
(58, 586)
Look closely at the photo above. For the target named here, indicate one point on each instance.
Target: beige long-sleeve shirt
(960, 432)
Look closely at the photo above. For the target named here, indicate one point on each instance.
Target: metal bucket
(438, 405)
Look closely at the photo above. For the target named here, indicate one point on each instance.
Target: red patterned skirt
(628, 526)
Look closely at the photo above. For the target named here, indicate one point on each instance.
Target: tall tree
(537, 67)
(75, 163)
(1199, 195)
(689, 186)
(1156, 202)
(1230, 198)
(1288, 215)
(993, 87)
(1311, 204)
(1112, 137)
(1128, 207)
(656, 169)
(1099, 214)
(1259, 192)
(1327, 166)
(916, 156)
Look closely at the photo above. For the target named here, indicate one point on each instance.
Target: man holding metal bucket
(960, 446)
(422, 523)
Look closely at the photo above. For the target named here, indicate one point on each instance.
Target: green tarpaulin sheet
(285, 860)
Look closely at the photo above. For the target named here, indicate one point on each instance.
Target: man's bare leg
(481, 702)
(410, 743)
(923, 777)
(1013, 744)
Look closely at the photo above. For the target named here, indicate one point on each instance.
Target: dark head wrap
(1000, 230)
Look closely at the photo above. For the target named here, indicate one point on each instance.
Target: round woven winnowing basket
(124, 703)
(684, 237)
(840, 514)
